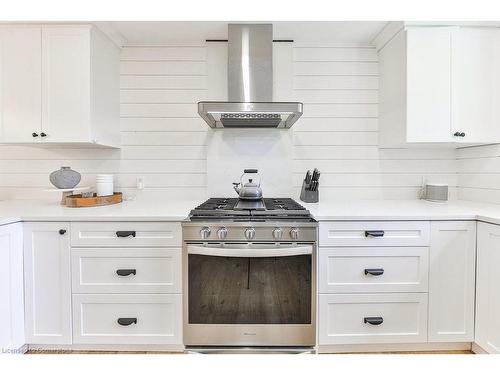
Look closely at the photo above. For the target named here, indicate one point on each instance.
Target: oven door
(250, 294)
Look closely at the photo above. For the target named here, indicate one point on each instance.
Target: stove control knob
(250, 233)
(294, 233)
(205, 233)
(277, 233)
(222, 233)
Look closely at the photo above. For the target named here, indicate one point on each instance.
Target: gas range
(250, 274)
(233, 219)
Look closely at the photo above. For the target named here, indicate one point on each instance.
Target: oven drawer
(373, 269)
(126, 234)
(372, 318)
(374, 233)
(126, 270)
(127, 319)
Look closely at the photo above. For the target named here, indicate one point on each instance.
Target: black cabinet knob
(459, 134)
(374, 321)
(374, 233)
(126, 272)
(34, 135)
(125, 233)
(126, 321)
(62, 231)
(374, 271)
(42, 134)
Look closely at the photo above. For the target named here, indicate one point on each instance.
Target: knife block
(308, 196)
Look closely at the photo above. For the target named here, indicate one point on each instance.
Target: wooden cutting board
(77, 200)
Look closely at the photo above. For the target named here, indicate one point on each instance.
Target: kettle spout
(236, 187)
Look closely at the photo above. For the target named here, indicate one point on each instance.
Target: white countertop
(177, 210)
(402, 210)
(136, 210)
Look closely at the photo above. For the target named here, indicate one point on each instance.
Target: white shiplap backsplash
(479, 173)
(164, 140)
(338, 132)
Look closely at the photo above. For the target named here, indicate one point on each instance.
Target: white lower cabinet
(452, 281)
(373, 269)
(11, 288)
(47, 278)
(127, 319)
(372, 318)
(125, 270)
(487, 288)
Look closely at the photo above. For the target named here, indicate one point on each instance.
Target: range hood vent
(250, 84)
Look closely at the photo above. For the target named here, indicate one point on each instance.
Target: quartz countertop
(134, 210)
(178, 210)
(403, 210)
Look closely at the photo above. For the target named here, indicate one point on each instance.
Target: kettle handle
(249, 171)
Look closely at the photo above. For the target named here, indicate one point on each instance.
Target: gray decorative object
(65, 178)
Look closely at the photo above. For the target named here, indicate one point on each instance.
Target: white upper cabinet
(65, 81)
(20, 83)
(476, 84)
(439, 85)
(428, 80)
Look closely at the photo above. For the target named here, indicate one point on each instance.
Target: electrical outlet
(140, 183)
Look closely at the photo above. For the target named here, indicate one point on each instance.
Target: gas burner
(266, 209)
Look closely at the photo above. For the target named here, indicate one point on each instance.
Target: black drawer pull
(374, 271)
(125, 233)
(126, 272)
(374, 233)
(126, 321)
(374, 321)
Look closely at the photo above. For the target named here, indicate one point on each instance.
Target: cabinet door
(20, 84)
(487, 293)
(428, 84)
(476, 85)
(452, 281)
(66, 84)
(11, 287)
(47, 283)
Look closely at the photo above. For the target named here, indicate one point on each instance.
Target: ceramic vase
(65, 178)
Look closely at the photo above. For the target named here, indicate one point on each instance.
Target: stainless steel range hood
(250, 84)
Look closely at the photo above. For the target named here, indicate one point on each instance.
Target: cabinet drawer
(145, 319)
(116, 270)
(373, 269)
(126, 234)
(342, 318)
(374, 233)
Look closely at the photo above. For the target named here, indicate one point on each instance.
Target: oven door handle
(249, 252)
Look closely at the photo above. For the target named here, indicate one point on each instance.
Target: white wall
(479, 173)
(164, 140)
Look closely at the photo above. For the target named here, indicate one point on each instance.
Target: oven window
(233, 290)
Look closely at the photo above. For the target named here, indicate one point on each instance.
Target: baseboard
(477, 349)
(104, 348)
(381, 348)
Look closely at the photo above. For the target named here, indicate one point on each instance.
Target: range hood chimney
(250, 84)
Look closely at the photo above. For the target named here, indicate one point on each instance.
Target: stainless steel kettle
(249, 190)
